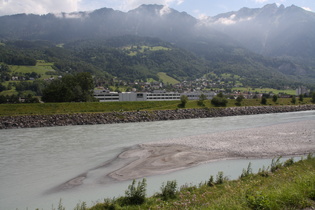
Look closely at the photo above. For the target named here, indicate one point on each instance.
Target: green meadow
(40, 68)
(265, 90)
(98, 107)
(167, 79)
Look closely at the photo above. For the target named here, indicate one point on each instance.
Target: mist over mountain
(271, 30)
(273, 41)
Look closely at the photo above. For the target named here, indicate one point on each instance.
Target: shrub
(288, 162)
(248, 171)
(211, 183)
(264, 172)
(257, 200)
(263, 100)
(293, 100)
(220, 179)
(135, 195)
(183, 101)
(219, 101)
(274, 98)
(275, 164)
(169, 190)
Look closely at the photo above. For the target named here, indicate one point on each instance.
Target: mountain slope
(198, 46)
(271, 30)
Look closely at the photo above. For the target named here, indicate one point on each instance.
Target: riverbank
(289, 139)
(32, 121)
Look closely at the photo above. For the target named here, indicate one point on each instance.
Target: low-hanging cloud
(8, 7)
(131, 4)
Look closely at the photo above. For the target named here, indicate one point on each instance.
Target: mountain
(273, 43)
(271, 30)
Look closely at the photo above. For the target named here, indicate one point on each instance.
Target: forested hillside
(131, 58)
(138, 44)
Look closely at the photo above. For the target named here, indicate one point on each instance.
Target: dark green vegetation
(77, 88)
(282, 185)
(112, 58)
(102, 42)
(97, 107)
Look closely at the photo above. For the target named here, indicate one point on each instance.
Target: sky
(196, 8)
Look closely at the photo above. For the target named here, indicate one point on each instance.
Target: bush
(219, 101)
(211, 183)
(275, 164)
(135, 195)
(293, 100)
(183, 101)
(169, 190)
(263, 100)
(220, 179)
(239, 100)
(288, 162)
(248, 171)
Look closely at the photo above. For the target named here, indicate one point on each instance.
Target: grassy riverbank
(97, 107)
(285, 185)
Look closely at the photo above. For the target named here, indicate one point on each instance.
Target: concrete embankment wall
(32, 121)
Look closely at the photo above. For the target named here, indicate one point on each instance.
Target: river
(35, 161)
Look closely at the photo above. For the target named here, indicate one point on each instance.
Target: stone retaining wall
(32, 121)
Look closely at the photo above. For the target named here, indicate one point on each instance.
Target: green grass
(167, 79)
(40, 68)
(266, 90)
(291, 186)
(98, 107)
(91, 107)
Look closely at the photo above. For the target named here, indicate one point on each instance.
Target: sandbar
(160, 157)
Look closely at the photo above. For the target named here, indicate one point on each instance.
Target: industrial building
(107, 96)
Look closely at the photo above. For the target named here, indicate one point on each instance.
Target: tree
(70, 88)
(274, 98)
(219, 100)
(301, 98)
(313, 97)
(293, 100)
(239, 100)
(183, 100)
(263, 100)
(201, 100)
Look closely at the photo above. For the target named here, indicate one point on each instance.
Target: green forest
(30, 67)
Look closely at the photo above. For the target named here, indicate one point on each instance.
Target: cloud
(307, 9)
(8, 7)
(37, 6)
(261, 1)
(165, 10)
(131, 4)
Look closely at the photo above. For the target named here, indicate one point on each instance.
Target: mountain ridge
(220, 40)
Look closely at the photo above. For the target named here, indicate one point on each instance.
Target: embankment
(32, 121)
